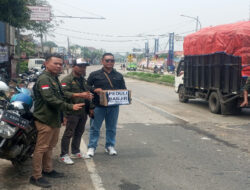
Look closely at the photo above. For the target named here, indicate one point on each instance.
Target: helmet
(3, 86)
(18, 105)
(24, 91)
(26, 99)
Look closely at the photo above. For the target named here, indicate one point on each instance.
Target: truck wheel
(214, 103)
(182, 97)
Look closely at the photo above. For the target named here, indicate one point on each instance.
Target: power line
(114, 36)
(80, 17)
(62, 12)
(100, 40)
(69, 5)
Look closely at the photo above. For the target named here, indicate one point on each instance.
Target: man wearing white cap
(75, 89)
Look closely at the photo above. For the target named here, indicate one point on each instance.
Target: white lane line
(96, 179)
(161, 110)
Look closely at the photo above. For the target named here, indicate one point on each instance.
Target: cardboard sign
(115, 97)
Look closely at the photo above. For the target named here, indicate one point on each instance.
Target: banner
(4, 54)
(40, 13)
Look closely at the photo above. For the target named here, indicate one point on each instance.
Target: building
(7, 49)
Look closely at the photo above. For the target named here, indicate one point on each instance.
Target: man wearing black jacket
(106, 78)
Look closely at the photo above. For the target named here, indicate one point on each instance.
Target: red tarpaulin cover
(233, 39)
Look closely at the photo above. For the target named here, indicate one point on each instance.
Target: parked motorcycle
(17, 130)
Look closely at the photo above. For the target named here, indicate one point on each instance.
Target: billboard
(40, 13)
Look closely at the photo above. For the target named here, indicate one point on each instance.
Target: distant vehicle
(215, 67)
(36, 63)
(131, 66)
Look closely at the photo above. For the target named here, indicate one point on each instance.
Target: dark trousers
(74, 129)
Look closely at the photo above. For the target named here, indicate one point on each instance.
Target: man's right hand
(78, 106)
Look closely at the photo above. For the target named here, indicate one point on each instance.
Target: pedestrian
(245, 93)
(49, 104)
(76, 90)
(106, 78)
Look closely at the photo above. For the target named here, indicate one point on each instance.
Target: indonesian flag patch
(44, 87)
(64, 84)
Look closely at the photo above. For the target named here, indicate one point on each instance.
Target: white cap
(81, 61)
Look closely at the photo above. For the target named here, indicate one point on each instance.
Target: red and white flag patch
(64, 84)
(44, 87)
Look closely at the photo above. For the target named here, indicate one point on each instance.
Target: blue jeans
(110, 114)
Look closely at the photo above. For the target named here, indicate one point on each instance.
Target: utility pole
(147, 53)
(18, 42)
(69, 54)
(197, 23)
(41, 37)
(171, 52)
(156, 46)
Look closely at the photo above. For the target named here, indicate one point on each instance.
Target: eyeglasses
(109, 60)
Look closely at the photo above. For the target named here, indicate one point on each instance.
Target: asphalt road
(162, 144)
(166, 145)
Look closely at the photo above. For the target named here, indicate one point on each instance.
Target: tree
(14, 12)
(92, 55)
(28, 47)
(50, 45)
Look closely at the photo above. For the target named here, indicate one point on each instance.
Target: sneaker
(111, 150)
(66, 159)
(53, 174)
(40, 182)
(90, 153)
(77, 155)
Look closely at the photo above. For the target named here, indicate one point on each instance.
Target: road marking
(96, 179)
(205, 138)
(172, 117)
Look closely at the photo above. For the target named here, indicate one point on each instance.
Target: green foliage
(28, 47)
(14, 12)
(17, 14)
(50, 44)
(163, 56)
(152, 77)
(22, 67)
(93, 55)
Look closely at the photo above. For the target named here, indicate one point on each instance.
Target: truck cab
(179, 74)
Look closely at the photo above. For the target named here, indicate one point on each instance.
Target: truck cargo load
(232, 39)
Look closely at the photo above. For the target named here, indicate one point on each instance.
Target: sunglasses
(109, 60)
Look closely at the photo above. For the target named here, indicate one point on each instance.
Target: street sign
(40, 13)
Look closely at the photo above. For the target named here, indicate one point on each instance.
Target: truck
(131, 66)
(215, 67)
(36, 63)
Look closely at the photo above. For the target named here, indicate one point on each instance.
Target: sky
(126, 20)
